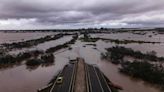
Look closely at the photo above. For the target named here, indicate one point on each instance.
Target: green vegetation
(44, 59)
(33, 62)
(139, 32)
(148, 72)
(10, 59)
(29, 43)
(65, 45)
(33, 58)
(141, 69)
(126, 41)
(7, 60)
(116, 54)
(88, 38)
(48, 58)
(2, 51)
(91, 44)
(70, 48)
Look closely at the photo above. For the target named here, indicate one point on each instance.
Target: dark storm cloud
(72, 12)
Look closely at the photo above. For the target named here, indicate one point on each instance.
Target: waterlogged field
(21, 77)
(16, 37)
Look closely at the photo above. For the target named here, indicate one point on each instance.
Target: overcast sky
(29, 14)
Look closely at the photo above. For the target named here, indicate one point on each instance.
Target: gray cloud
(49, 13)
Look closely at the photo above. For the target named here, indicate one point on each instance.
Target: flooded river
(22, 79)
(17, 37)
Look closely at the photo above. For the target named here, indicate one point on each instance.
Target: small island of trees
(143, 68)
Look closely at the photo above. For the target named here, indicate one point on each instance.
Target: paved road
(96, 81)
(67, 75)
(103, 81)
(95, 86)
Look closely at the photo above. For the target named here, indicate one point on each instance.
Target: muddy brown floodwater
(22, 79)
(16, 37)
(92, 56)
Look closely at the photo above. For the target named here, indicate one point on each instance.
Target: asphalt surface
(103, 81)
(96, 80)
(66, 74)
(95, 85)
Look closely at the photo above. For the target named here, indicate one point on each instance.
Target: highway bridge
(81, 77)
(96, 80)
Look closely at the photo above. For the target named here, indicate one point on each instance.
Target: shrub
(33, 62)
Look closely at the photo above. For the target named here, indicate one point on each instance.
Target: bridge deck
(81, 77)
(95, 85)
(103, 81)
(67, 75)
(80, 84)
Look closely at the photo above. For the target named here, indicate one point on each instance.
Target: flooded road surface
(23, 79)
